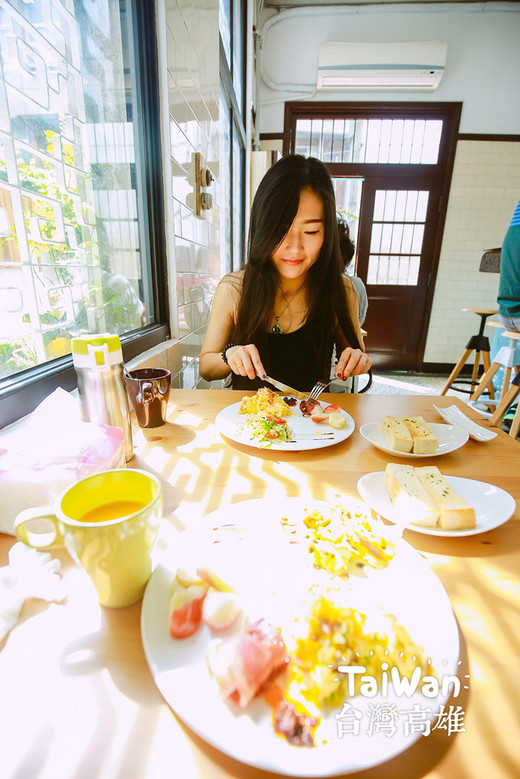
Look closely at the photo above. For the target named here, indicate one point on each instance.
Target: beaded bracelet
(224, 350)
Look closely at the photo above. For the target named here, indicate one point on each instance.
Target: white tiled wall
(485, 189)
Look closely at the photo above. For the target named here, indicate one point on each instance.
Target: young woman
(285, 312)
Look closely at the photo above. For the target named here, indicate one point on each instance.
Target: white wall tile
(484, 192)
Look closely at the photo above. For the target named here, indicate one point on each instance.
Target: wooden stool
(507, 400)
(505, 357)
(479, 343)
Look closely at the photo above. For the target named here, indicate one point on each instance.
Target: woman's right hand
(245, 361)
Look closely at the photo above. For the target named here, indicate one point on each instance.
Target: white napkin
(30, 574)
(51, 448)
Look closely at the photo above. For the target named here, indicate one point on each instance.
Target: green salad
(269, 429)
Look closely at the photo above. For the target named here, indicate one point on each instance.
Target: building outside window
(80, 222)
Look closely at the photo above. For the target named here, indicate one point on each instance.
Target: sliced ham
(242, 663)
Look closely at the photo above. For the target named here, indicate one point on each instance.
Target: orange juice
(109, 523)
(114, 510)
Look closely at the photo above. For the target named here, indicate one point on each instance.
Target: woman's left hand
(352, 362)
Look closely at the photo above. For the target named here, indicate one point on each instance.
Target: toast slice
(409, 496)
(424, 439)
(396, 434)
(455, 512)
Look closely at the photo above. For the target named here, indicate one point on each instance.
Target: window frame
(23, 391)
(236, 114)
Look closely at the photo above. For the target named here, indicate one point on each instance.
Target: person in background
(509, 285)
(347, 249)
(508, 298)
(285, 312)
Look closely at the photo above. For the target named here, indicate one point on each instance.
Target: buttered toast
(396, 434)
(426, 498)
(424, 439)
(409, 496)
(456, 514)
(409, 434)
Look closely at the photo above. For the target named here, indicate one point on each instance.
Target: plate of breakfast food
(413, 436)
(427, 501)
(269, 420)
(283, 634)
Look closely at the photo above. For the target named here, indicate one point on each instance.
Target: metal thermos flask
(98, 360)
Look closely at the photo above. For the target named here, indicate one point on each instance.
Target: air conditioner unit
(381, 65)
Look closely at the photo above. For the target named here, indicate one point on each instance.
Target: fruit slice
(187, 597)
(333, 408)
(337, 421)
(319, 417)
(213, 580)
(220, 609)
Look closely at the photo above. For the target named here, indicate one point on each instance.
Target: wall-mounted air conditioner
(381, 65)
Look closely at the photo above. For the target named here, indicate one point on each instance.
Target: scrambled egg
(343, 636)
(342, 541)
(264, 402)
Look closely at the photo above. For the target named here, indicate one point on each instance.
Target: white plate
(493, 506)
(454, 416)
(449, 438)
(259, 557)
(306, 433)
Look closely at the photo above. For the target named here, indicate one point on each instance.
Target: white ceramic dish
(306, 433)
(263, 562)
(454, 416)
(493, 506)
(449, 438)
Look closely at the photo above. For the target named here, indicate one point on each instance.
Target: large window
(81, 226)
(232, 23)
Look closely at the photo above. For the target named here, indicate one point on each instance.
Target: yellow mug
(109, 524)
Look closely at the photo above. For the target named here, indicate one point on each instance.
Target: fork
(318, 388)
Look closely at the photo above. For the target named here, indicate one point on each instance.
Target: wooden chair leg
(474, 372)
(513, 432)
(457, 369)
(504, 404)
(485, 360)
(486, 379)
(507, 380)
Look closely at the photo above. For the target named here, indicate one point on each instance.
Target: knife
(286, 389)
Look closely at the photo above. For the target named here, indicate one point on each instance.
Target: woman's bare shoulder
(233, 280)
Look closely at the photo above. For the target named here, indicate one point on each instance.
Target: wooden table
(77, 698)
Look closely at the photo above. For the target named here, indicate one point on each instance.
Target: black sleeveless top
(291, 359)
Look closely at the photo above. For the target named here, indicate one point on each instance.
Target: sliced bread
(396, 434)
(409, 496)
(455, 512)
(424, 439)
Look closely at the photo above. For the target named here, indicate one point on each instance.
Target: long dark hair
(274, 209)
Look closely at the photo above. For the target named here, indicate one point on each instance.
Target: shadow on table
(493, 543)
(171, 432)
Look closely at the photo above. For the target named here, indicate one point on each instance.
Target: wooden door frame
(448, 112)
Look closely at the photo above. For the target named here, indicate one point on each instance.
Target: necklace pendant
(277, 330)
